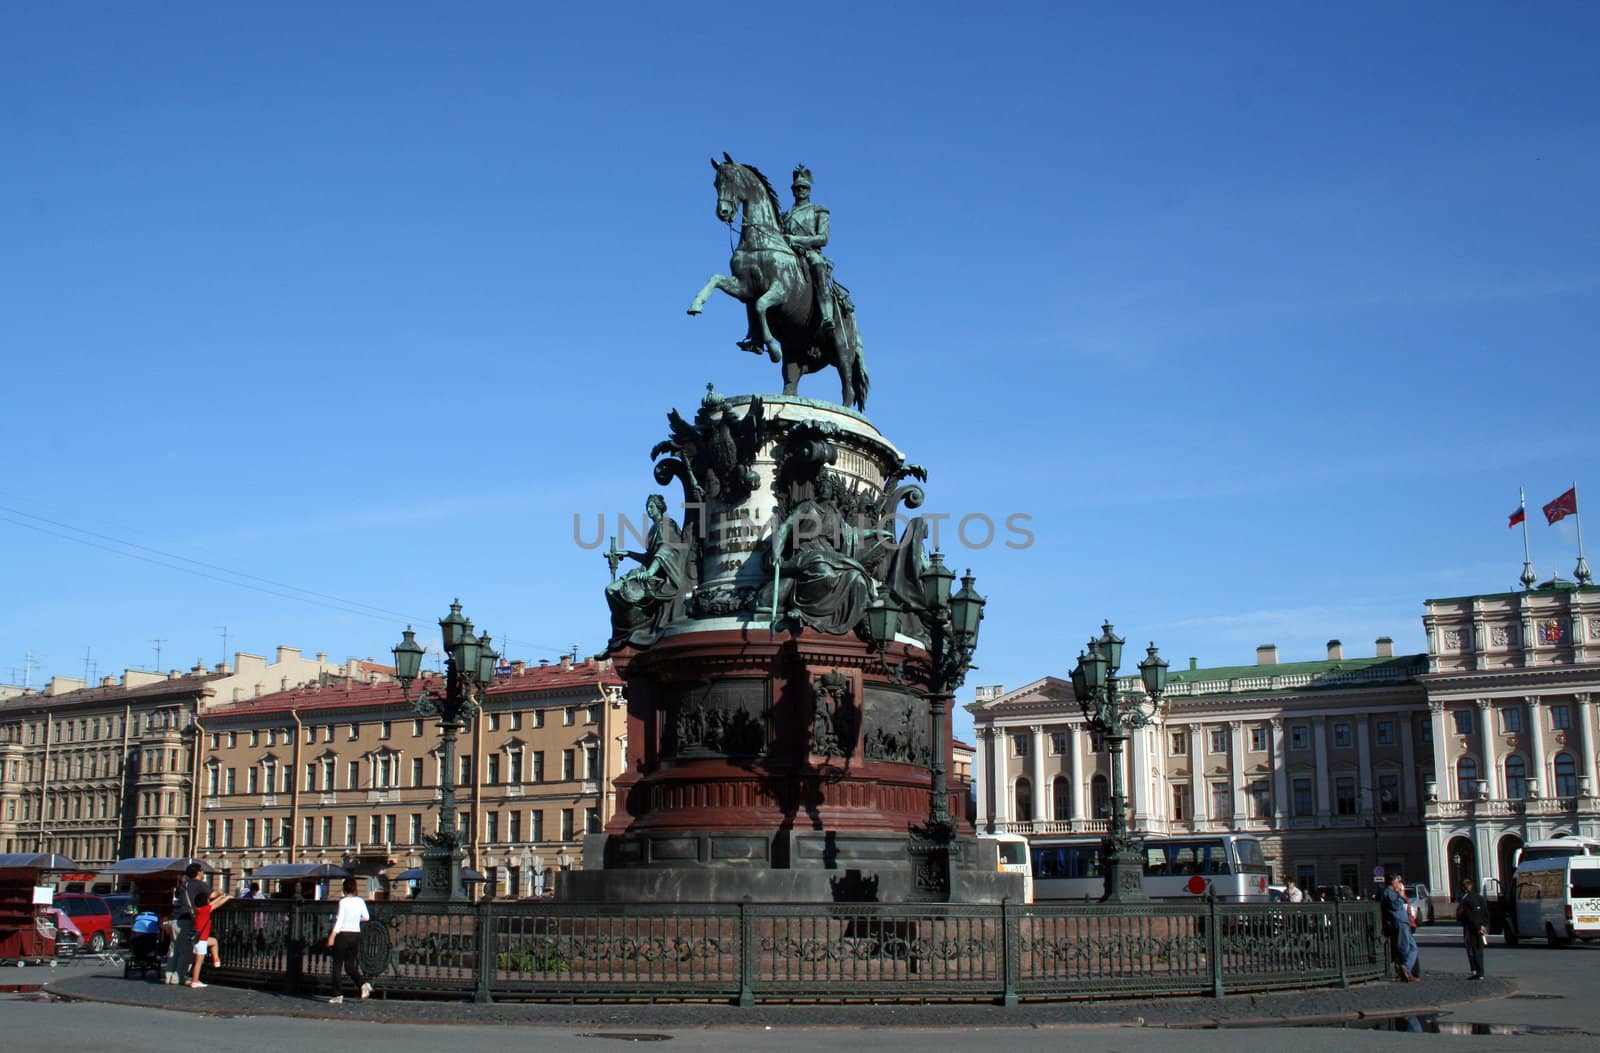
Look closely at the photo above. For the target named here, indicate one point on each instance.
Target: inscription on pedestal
(722, 718)
(896, 727)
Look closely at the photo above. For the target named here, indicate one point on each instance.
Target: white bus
(1011, 857)
(1556, 897)
(1175, 868)
(1557, 847)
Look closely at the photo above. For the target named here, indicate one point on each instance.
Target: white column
(1364, 759)
(1236, 766)
(1041, 793)
(1490, 778)
(1072, 762)
(1587, 729)
(1197, 775)
(982, 777)
(1444, 786)
(1319, 742)
(1002, 777)
(1138, 776)
(1280, 773)
(1535, 717)
(1408, 768)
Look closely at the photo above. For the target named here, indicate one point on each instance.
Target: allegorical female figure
(646, 599)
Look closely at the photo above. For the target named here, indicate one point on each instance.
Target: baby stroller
(146, 956)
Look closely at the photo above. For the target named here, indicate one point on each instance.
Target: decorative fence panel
(745, 953)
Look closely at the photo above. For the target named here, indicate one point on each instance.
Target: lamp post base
(1124, 864)
(441, 872)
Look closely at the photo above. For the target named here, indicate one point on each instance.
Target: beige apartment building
(349, 774)
(104, 772)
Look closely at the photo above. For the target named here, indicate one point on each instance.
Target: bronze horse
(774, 284)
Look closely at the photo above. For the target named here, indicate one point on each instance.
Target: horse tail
(859, 371)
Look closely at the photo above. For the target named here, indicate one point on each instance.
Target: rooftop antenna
(87, 659)
(158, 644)
(30, 662)
(224, 630)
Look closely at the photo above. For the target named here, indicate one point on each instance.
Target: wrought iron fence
(749, 952)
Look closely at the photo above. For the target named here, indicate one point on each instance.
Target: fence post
(294, 944)
(483, 922)
(1009, 949)
(1338, 943)
(747, 995)
(1214, 943)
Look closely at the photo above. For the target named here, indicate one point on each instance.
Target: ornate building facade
(1437, 765)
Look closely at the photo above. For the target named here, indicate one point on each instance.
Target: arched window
(1063, 799)
(1024, 796)
(1466, 779)
(1566, 775)
(1100, 796)
(1516, 778)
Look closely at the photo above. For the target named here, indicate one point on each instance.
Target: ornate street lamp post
(1094, 685)
(469, 670)
(952, 623)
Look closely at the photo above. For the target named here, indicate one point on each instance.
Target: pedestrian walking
(190, 894)
(1293, 892)
(204, 942)
(1473, 914)
(345, 942)
(1397, 926)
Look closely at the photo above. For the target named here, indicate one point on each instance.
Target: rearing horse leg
(726, 283)
(773, 294)
(792, 372)
(844, 356)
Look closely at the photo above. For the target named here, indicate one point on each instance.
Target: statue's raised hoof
(775, 353)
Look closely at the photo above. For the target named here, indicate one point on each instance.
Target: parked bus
(1556, 897)
(1175, 868)
(1011, 857)
(1557, 847)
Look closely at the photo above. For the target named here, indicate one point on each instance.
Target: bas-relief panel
(717, 718)
(895, 727)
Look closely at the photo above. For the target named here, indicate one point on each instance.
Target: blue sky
(1262, 312)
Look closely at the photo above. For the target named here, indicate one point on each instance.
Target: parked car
(124, 908)
(1420, 904)
(92, 917)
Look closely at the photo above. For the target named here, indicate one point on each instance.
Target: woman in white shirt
(345, 941)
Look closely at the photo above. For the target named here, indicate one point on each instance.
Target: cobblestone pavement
(1379, 999)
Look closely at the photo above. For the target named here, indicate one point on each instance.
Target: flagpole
(1582, 573)
(1528, 576)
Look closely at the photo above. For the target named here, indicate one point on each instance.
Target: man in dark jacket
(1473, 913)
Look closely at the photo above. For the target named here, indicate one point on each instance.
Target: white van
(1011, 857)
(1556, 897)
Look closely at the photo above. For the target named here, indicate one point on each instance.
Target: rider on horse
(806, 227)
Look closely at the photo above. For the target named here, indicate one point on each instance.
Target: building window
(591, 761)
(230, 781)
(349, 829)
(1062, 794)
(1260, 800)
(1386, 733)
(1466, 779)
(327, 733)
(416, 828)
(569, 715)
(1341, 736)
(591, 714)
(1463, 718)
(516, 722)
(566, 822)
(308, 827)
(1258, 740)
(494, 771)
(1300, 736)
(1100, 797)
(1566, 775)
(388, 829)
(515, 777)
(374, 829)
(385, 729)
(1304, 801)
(227, 833)
(255, 737)
(1019, 745)
(536, 825)
(1022, 795)
(491, 827)
(252, 781)
(569, 765)
(1177, 744)
(250, 835)
(1427, 732)
(591, 820)
(416, 771)
(538, 718)
(1344, 795)
(416, 729)
(327, 830)
(1180, 802)
(385, 771)
(1219, 740)
(1511, 720)
(213, 740)
(353, 770)
(514, 827)
(1221, 800)
(1389, 794)
(1560, 717)
(211, 833)
(1516, 778)
(494, 722)
(233, 739)
(355, 732)
(537, 774)
(1058, 743)
(466, 769)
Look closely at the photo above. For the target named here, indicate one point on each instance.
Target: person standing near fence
(1397, 925)
(190, 893)
(345, 942)
(1473, 914)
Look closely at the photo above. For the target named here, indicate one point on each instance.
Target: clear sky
(316, 316)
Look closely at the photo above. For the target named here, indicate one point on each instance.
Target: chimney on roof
(517, 667)
(108, 681)
(1194, 663)
(566, 663)
(1385, 647)
(1335, 651)
(543, 662)
(1267, 654)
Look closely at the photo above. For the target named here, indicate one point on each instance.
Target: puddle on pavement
(1420, 1024)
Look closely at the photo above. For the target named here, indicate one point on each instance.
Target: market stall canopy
(294, 871)
(415, 874)
(35, 861)
(143, 867)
